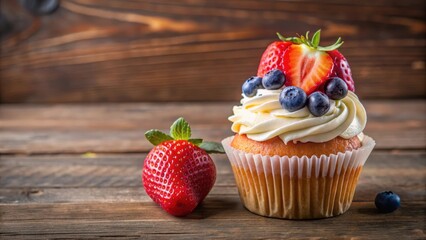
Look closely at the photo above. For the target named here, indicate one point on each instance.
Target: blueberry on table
(251, 85)
(292, 98)
(273, 79)
(336, 88)
(387, 201)
(318, 104)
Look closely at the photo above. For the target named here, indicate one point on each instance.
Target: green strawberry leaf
(295, 40)
(156, 137)
(281, 37)
(180, 129)
(212, 147)
(316, 38)
(336, 45)
(307, 35)
(312, 43)
(196, 141)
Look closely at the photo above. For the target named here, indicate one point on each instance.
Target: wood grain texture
(217, 218)
(121, 51)
(68, 196)
(115, 128)
(117, 178)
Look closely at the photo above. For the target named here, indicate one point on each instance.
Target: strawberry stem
(312, 43)
(180, 130)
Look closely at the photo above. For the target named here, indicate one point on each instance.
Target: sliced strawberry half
(306, 67)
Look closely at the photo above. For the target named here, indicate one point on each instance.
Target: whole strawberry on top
(304, 63)
(178, 173)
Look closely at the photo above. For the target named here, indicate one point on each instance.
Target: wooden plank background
(120, 128)
(198, 50)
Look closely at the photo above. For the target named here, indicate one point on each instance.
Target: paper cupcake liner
(298, 187)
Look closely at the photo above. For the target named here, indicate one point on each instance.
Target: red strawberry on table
(304, 63)
(178, 173)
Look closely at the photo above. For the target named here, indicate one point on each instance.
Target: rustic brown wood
(69, 196)
(114, 128)
(222, 217)
(115, 51)
(117, 178)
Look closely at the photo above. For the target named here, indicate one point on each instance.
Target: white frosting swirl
(261, 118)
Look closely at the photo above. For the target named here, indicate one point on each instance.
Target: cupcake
(298, 148)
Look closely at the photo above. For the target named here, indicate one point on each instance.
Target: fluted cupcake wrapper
(298, 187)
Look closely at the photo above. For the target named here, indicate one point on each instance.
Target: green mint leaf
(180, 129)
(212, 147)
(156, 137)
(196, 141)
(316, 38)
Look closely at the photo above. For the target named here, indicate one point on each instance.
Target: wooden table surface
(50, 187)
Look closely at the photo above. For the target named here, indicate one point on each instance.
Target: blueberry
(293, 98)
(336, 88)
(273, 79)
(251, 85)
(40, 6)
(318, 104)
(387, 201)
